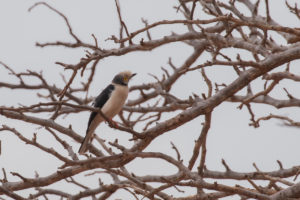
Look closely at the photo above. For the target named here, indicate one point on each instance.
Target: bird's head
(123, 78)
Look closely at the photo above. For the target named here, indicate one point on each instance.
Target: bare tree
(221, 34)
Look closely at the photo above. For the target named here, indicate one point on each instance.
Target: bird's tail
(84, 144)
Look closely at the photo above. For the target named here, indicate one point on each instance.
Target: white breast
(116, 101)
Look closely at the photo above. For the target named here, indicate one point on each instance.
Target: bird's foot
(113, 124)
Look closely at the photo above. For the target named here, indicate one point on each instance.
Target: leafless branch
(156, 108)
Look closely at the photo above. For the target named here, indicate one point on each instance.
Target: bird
(110, 101)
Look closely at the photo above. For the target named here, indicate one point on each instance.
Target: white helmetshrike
(110, 101)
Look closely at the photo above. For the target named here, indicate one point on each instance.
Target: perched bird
(110, 101)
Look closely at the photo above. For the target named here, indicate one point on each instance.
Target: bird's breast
(116, 101)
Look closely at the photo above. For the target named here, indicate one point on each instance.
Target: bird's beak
(132, 75)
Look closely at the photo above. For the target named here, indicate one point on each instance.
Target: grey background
(230, 136)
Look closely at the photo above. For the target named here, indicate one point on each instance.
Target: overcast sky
(230, 136)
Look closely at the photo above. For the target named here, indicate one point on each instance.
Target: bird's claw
(113, 124)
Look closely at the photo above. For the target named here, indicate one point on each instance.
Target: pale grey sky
(230, 136)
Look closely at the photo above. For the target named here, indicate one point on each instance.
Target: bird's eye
(125, 79)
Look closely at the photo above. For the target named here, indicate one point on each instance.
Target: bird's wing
(100, 100)
(95, 119)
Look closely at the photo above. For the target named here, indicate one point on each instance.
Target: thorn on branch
(36, 174)
(288, 94)
(20, 176)
(4, 180)
(88, 54)
(287, 69)
(171, 64)
(95, 39)
(147, 31)
(268, 11)
(34, 138)
(254, 165)
(254, 124)
(225, 165)
(255, 10)
(297, 174)
(66, 66)
(142, 42)
(166, 72)
(193, 9)
(100, 182)
(280, 164)
(177, 152)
